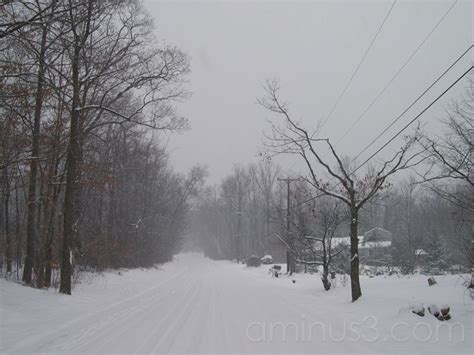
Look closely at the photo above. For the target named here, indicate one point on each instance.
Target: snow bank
(196, 305)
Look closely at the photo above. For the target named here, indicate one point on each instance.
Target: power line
(359, 65)
(398, 133)
(415, 118)
(386, 87)
(355, 71)
(359, 118)
(414, 102)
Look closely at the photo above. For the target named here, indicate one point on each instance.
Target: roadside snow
(198, 305)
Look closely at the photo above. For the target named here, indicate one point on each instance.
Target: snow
(418, 308)
(381, 244)
(346, 241)
(420, 252)
(198, 305)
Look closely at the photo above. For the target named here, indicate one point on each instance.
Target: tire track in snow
(170, 336)
(106, 329)
(65, 330)
(199, 323)
(152, 315)
(171, 319)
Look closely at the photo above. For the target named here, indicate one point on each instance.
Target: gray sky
(312, 47)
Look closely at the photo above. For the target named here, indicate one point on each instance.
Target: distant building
(378, 234)
(375, 246)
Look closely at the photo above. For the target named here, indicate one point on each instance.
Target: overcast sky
(313, 48)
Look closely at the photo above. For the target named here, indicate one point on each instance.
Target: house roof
(378, 234)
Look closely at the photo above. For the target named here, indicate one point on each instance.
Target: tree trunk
(39, 262)
(287, 262)
(45, 236)
(48, 247)
(326, 261)
(18, 233)
(71, 180)
(355, 283)
(6, 196)
(325, 279)
(32, 203)
(68, 224)
(48, 259)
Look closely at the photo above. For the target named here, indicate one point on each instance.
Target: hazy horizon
(312, 47)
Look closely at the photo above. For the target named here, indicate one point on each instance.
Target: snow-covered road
(195, 305)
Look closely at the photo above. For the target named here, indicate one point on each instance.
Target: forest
(252, 177)
(88, 99)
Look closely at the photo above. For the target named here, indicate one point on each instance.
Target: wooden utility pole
(238, 236)
(290, 267)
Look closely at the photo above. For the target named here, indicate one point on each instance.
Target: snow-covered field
(197, 305)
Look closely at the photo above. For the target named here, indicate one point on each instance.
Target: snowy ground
(200, 306)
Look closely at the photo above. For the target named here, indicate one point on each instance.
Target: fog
(313, 47)
(217, 177)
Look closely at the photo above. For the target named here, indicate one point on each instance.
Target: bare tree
(266, 176)
(343, 184)
(35, 149)
(116, 77)
(25, 14)
(313, 228)
(83, 86)
(407, 245)
(451, 160)
(238, 217)
(451, 154)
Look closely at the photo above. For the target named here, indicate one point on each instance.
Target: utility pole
(289, 264)
(238, 236)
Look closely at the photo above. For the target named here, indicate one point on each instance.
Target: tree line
(428, 209)
(86, 94)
